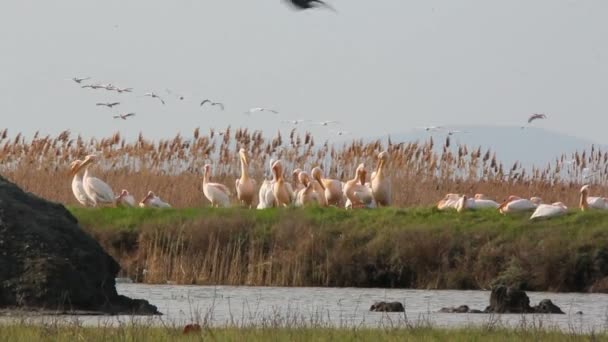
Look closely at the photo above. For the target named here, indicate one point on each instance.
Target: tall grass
(421, 172)
(413, 248)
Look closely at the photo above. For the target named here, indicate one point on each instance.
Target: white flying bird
(258, 109)
(80, 79)
(294, 122)
(327, 123)
(154, 96)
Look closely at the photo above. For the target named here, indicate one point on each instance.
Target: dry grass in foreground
(421, 172)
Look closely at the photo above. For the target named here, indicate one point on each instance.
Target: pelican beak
(317, 177)
(145, 199)
(77, 168)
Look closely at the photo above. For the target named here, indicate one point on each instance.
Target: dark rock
(47, 262)
(460, 309)
(508, 300)
(547, 306)
(387, 307)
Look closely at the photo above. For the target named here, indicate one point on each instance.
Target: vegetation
(405, 248)
(421, 172)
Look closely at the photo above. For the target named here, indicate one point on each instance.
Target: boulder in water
(387, 307)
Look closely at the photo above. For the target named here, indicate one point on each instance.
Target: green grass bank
(404, 248)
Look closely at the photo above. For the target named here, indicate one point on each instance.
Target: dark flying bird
(123, 116)
(152, 95)
(80, 79)
(221, 105)
(109, 104)
(536, 117)
(307, 4)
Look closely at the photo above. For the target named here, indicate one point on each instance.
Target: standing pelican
(153, 201)
(266, 195)
(125, 199)
(245, 186)
(98, 191)
(381, 185)
(333, 187)
(77, 187)
(283, 193)
(587, 202)
(355, 190)
(549, 210)
(218, 194)
(308, 195)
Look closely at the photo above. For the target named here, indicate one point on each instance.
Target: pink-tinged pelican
(465, 203)
(98, 191)
(515, 204)
(381, 185)
(308, 195)
(283, 193)
(125, 199)
(295, 179)
(153, 201)
(357, 193)
(549, 210)
(587, 202)
(333, 188)
(218, 194)
(450, 201)
(77, 186)
(266, 195)
(245, 186)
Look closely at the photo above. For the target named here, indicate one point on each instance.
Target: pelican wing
(220, 187)
(102, 191)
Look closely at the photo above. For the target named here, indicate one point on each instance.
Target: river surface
(340, 307)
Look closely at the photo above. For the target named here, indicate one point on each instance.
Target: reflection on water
(246, 306)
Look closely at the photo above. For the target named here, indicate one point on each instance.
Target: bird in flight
(123, 90)
(327, 123)
(80, 79)
(308, 4)
(123, 116)
(94, 86)
(450, 132)
(432, 128)
(221, 105)
(152, 95)
(258, 109)
(294, 122)
(536, 117)
(108, 104)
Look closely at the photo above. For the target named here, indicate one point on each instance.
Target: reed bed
(421, 172)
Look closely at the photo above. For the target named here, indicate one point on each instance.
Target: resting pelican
(153, 201)
(474, 204)
(549, 210)
(516, 204)
(265, 195)
(333, 188)
(98, 191)
(381, 185)
(245, 186)
(283, 193)
(77, 187)
(308, 195)
(587, 202)
(125, 199)
(218, 194)
(295, 178)
(355, 190)
(450, 201)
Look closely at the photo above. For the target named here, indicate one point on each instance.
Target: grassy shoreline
(403, 248)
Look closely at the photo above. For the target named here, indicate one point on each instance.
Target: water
(257, 306)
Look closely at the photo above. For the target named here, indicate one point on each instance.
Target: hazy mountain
(531, 146)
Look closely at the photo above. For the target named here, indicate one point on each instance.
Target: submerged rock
(48, 262)
(509, 300)
(387, 307)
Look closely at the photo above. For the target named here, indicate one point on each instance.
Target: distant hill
(530, 146)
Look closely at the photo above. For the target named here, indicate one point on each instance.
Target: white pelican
(516, 204)
(266, 195)
(450, 201)
(153, 201)
(108, 104)
(549, 210)
(98, 191)
(327, 123)
(245, 186)
(259, 109)
(124, 116)
(474, 204)
(295, 179)
(125, 199)
(218, 194)
(333, 187)
(77, 187)
(80, 79)
(308, 195)
(587, 202)
(294, 122)
(283, 193)
(356, 192)
(381, 185)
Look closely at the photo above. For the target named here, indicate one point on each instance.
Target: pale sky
(383, 66)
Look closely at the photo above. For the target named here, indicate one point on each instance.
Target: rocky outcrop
(48, 262)
(509, 300)
(387, 307)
